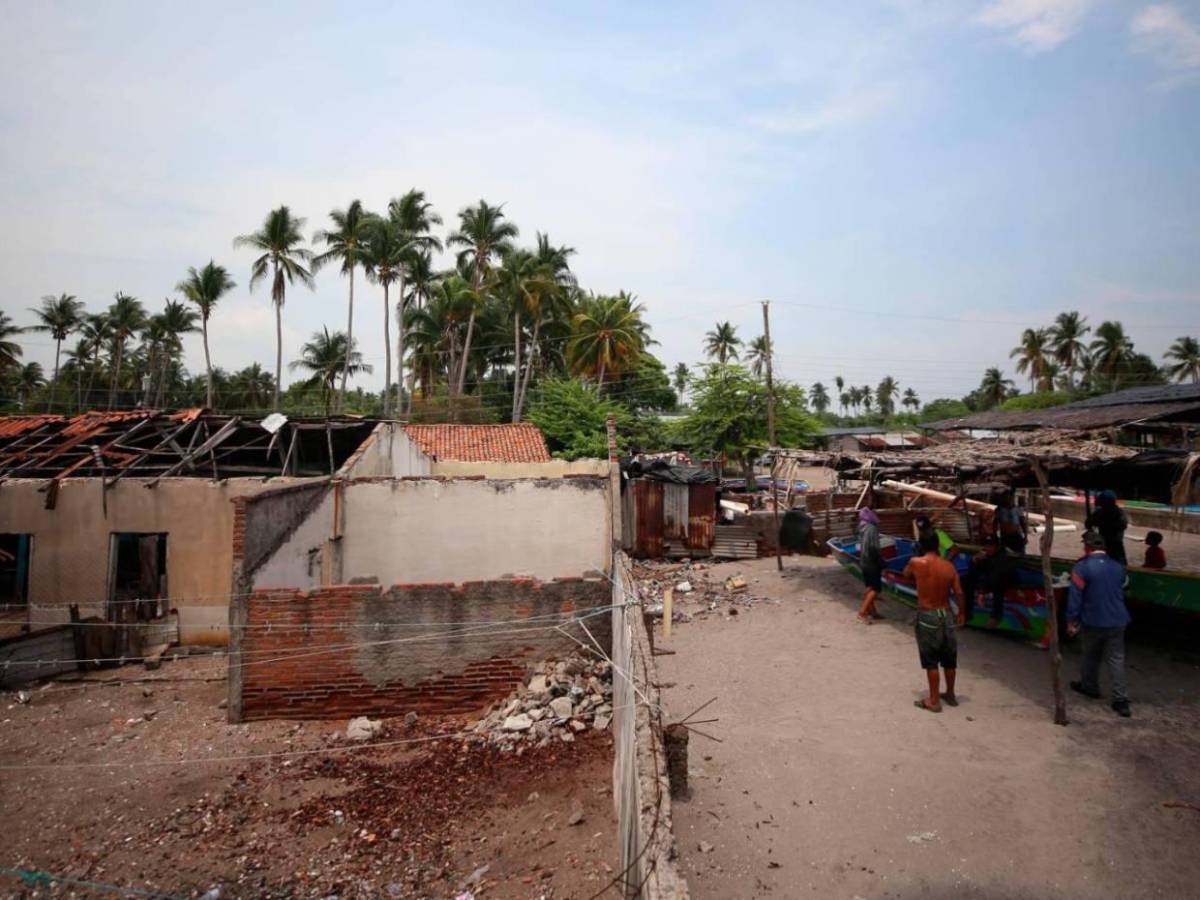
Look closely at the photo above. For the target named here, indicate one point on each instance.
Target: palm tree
(609, 336)
(204, 288)
(854, 396)
(1066, 341)
(97, 331)
(28, 379)
(995, 388)
(59, 316)
(252, 386)
(324, 357)
(1033, 354)
(844, 399)
(175, 321)
(383, 263)
(345, 243)
(680, 377)
(866, 397)
(78, 359)
(126, 317)
(722, 342)
(1111, 351)
(279, 241)
(885, 395)
(840, 383)
(911, 400)
(414, 216)
(1185, 354)
(483, 235)
(756, 355)
(9, 350)
(533, 283)
(818, 396)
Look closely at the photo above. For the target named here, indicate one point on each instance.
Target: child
(1155, 557)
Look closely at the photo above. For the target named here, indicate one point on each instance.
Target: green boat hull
(1165, 588)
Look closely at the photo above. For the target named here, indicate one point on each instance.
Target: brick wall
(350, 650)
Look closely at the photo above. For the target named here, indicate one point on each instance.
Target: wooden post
(775, 507)
(1060, 700)
(668, 609)
(770, 381)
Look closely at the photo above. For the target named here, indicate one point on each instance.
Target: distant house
(859, 438)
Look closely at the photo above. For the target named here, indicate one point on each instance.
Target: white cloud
(1035, 25)
(841, 110)
(1164, 33)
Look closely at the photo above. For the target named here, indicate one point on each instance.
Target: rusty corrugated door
(702, 516)
(648, 512)
(675, 512)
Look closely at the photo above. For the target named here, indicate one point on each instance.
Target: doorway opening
(137, 576)
(14, 570)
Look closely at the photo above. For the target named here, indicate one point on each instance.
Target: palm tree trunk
(151, 372)
(116, 374)
(79, 389)
(400, 393)
(466, 354)
(533, 355)
(341, 407)
(387, 352)
(53, 394)
(208, 400)
(278, 352)
(516, 406)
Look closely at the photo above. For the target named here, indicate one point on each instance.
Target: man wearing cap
(1096, 608)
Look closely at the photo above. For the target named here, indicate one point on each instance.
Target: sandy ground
(828, 783)
(409, 820)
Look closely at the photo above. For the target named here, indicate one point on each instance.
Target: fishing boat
(1024, 603)
(1171, 589)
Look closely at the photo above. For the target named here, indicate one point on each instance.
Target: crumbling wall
(390, 452)
(641, 789)
(350, 650)
(554, 469)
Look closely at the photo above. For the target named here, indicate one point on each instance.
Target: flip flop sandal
(920, 704)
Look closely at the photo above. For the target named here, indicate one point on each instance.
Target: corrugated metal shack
(668, 510)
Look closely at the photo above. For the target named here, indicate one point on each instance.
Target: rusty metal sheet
(648, 515)
(702, 515)
(675, 511)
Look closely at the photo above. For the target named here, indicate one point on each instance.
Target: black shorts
(872, 578)
(936, 641)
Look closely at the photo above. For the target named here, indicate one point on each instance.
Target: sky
(909, 183)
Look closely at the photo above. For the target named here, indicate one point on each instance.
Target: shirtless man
(936, 579)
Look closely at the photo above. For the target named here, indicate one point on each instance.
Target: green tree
(643, 386)
(911, 400)
(680, 376)
(173, 322)
(483, 235)
(729, 415)
(994, 389)
(345, 243)
(1033, 354)
(286, 261)
(944, 408)
(204, 287)
(818, 396)
(1066, 341)
(1184, 356)
(59, 316)
(843, 398)
(1112, 351)
(722, 342)
(414, 215)
(251, 388)
(97, 332)
(608, 337)
(573, 417)
(385, 253)
(885, 395)
(10, 350)
(27, 379)
(126, 317)
(756, 355)
(324, 357)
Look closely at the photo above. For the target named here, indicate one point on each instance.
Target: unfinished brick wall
(351, 650)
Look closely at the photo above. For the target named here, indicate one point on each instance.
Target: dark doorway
(137, 576)
(14, 569)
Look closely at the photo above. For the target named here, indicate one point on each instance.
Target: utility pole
(770, 383)
(766, 305)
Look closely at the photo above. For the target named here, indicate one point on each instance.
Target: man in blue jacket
(1096, 607)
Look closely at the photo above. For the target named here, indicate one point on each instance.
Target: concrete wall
(388, 452)
(431, 648)
(555, 469)
(448, 530)
(70, 549)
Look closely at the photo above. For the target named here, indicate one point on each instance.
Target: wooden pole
(1060, 700)
(668, 610)
(775, 507)
(770, 382)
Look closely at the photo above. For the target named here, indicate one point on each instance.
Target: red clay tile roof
(522, 442)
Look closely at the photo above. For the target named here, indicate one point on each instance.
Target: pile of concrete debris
(699, 589)
(562, 699)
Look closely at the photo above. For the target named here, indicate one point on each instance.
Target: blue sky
(910, 183)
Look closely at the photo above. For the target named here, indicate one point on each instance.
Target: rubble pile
(700, 589)
(563, 698)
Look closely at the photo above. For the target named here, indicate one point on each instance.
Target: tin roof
(519, 443)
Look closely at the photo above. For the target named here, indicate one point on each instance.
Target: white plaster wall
(289, 565)
(390, 453)
(465, 530)
(555, 469)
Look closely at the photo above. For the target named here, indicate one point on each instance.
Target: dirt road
(829, 783)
